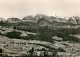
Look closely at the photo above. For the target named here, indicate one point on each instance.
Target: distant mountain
(57, 19)
(72, 20)
(13, 20)
(43, 22)
(42, 16)
(49, 18)
(36, 18)
(2, 19)
(77, 19)
(29, 19)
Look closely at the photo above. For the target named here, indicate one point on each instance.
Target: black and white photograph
(39, 28)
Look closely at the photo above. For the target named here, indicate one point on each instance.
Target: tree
(14, 27)
(55, 53)
(1, 50)
(31, 52)
(13, 34)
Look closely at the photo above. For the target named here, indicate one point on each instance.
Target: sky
(22, 8)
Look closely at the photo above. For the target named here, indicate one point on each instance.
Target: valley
(40, 36)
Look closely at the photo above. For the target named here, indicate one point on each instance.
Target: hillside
(54, 42)
(40, 36)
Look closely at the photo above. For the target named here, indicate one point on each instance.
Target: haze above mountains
(31, 18)
(21, 8)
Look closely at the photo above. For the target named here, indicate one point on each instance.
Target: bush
(1, 50)
(14, 34)
(46, 34)
(61, 50)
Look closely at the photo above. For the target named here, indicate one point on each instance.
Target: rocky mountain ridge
(35, 19)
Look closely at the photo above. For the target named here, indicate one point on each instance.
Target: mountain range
(35, 19)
